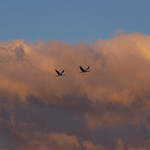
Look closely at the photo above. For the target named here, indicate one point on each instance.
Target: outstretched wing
(82, 69)
(87, 68)
(57, 72)
(62, 72)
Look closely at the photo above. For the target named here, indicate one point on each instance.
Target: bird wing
(87, 68)
(82, 69)
(57, 72)
(62, 72)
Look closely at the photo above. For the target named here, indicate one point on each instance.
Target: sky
(107, 108)
(71, 21)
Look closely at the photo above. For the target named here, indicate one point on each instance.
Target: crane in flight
(84, 70)
(60, 74)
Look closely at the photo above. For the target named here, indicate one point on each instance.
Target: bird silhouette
(60, 74)
(84, 70)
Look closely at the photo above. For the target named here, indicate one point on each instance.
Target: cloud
(120, 144)
(41, 111)
(131, 148)
(54, 141)
(119, 69)
(90, 146)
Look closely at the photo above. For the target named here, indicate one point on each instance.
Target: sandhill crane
(60, 74)
(84, 70)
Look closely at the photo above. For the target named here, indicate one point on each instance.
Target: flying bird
(84, 70)
(58, 73)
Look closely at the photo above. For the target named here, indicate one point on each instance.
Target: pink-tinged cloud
(54, 141)
(39, 110)
(120, 144)
(119, 69)
(88, 145)
(131, 148)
